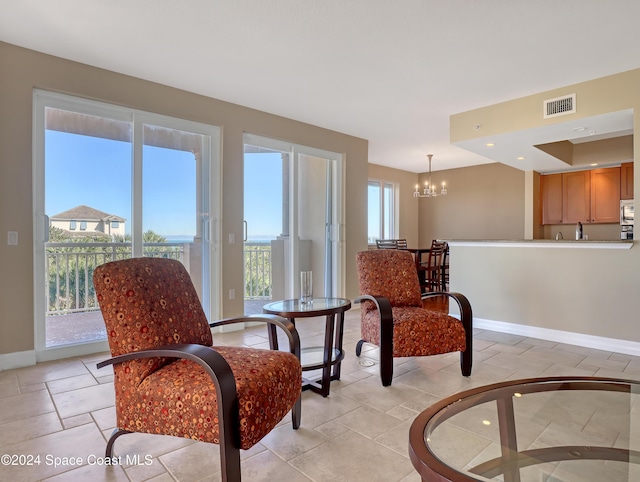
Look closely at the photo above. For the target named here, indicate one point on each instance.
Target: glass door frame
(334, 285)
(209, 218)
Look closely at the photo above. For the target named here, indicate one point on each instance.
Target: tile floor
(63, 411)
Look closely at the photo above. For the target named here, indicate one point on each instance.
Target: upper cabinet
(581, 196)
(605, 195)
(626, 180)
(576, 192)
(551, 193)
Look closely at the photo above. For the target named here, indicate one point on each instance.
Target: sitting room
(245, 143)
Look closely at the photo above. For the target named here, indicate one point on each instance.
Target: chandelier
(429, 189)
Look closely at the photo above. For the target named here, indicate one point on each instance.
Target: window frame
(388, 215)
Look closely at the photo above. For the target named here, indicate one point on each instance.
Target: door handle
(246, 231)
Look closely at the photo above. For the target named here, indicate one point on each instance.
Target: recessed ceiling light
(579, 129)
(521, 158)
(593, 164)
(490, 144)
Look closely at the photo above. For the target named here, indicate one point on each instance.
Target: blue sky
(97, 172)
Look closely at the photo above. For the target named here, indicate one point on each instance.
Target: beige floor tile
(106, 473)
(77, 420)
(84, 400)
(59, 452)
(144, 471)
(341, 459)
(268, 467)
(371, 392)
(29, 428)
(397, 438)
(288, 443)
(45, 372)
(193, 462)
(26, 405)
(71, 383)
(105, 418)
(9, 386)
(368, 421)
(317, 410)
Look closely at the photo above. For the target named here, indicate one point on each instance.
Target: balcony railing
(70, 266)
(69, 270)
(257, 270)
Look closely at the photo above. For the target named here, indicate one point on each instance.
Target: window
(382, 211)
(72, 225)
(83, 225)
(115, 224)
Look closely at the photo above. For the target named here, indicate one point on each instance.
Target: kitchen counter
(566, 291)
(544, 243)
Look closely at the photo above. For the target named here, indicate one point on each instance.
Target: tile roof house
(85, 221)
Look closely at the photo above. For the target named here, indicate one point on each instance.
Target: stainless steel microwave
(626, 213)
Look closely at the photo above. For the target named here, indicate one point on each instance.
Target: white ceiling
(391, 72)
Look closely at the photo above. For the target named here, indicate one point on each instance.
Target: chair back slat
(386, 244)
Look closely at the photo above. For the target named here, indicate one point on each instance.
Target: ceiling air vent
(560, 106)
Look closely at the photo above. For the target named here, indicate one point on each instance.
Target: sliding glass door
(293, 217)
(112, 183)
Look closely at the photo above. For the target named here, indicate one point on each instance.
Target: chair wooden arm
(466, 317)
(383, 305)
(466, 314)
(223, 379)
(288, 327)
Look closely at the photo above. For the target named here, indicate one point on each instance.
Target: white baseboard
(570, 338)
(19, 359)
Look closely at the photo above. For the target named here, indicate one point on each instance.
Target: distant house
(89, 222)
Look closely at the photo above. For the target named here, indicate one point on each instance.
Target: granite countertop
(560, 243)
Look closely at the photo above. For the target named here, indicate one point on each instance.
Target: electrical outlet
(12, 238)
(232, 294)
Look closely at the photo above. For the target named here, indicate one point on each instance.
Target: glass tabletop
(317, 306)
(554, 429)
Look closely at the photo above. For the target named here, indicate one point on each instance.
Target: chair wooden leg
(386, 369)
(114, 435)
(359, 347)
(230, 460)
(296, 413)
(465, 362)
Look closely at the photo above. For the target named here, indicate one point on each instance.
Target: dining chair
(393, 318)
(169, 379)
(433, 279)
(387, 243)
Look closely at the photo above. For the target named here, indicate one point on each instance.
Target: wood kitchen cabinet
(605, 195)
(576, 192)
(626, 180)
(551, 193)
(581, 196)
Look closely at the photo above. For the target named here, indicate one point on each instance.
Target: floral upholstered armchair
(169, 378)
(393, 317)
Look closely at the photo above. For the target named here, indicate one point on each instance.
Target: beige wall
(483, 202)
(406, 181)
(23, 70)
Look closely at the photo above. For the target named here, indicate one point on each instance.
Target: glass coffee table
(537, 429)
(326, 358)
